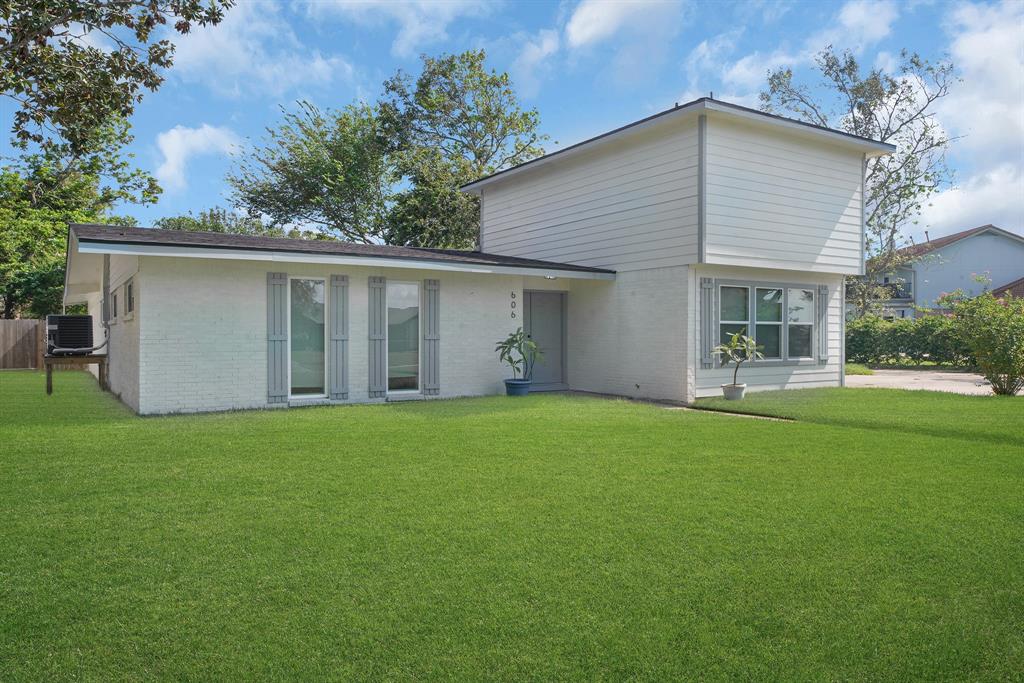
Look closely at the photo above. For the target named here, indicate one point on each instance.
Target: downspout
(105, 314)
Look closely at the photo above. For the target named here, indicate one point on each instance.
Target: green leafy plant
(993, 329)
(739, 349)
(519, 352)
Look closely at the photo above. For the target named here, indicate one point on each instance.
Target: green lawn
(858, 369)
(878, 537)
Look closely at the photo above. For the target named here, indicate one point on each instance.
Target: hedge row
(934, 338)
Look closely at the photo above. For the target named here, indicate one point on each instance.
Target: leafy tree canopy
(898, 108)
(36, 204)
(391, 172)
(72, 66)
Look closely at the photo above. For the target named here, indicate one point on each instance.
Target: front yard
(879, 536)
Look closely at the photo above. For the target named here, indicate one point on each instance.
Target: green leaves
(519, 352)
(739, 349)
(391, 172)
(74, 65)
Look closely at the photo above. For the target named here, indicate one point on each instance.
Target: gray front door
(545, 324)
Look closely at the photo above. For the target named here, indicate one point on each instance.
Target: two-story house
(626, 257)
(981, 258)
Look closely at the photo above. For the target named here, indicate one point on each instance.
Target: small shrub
(993, 330)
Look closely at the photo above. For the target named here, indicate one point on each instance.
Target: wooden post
(49, 379)
(40, 343)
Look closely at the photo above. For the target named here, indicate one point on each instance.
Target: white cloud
(179, 144)
(708, 55)
(593, 21)
(995, 196)
(858, 25)
(254, 51)
(987, 109)
(533, 61)
(420, 22)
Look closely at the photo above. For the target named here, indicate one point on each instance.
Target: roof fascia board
(879, 148)
(105, 247)
(702, 105)
(586, 145)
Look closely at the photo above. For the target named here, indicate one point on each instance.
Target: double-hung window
(780, 319)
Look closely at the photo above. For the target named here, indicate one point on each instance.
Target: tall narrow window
(768, 313)
(733, 311)
(306, 337)
(403, 336)
(800, 322)
(129, 297)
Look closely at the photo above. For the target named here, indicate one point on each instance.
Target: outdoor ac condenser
(68, 335)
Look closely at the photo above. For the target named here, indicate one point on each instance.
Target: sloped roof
(703, 104)
(1016, 288)
(915, 250)
(91, 233)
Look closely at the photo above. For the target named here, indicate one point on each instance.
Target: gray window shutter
(431, 337)
(707, 322)
(822, 323)
(378, 322)
(338, 359)
(277, 338)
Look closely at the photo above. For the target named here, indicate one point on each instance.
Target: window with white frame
(780, 319)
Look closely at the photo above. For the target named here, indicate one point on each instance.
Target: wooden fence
(22, 344)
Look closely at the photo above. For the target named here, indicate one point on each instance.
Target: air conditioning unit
(68, 335)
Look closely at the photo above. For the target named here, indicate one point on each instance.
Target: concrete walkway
(956, 382)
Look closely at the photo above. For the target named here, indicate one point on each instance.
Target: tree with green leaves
(456, 122)
(219, 220)
(332, 171)
(73, 66)
(391, 172)
(898, 108)
(37, 202)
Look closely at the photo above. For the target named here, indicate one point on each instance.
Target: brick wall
(203, 343)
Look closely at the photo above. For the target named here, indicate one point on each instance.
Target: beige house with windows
(625, 257)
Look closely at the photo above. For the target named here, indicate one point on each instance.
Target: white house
(626, 257)
(972, 260)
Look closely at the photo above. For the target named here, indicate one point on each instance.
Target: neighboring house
(956, 261)
(626, 257)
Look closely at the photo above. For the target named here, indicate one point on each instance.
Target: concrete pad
(930, 380)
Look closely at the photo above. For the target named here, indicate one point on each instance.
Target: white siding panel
(626, 206)
(767, 377)
(776, 201)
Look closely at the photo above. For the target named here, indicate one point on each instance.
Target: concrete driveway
(956, 382)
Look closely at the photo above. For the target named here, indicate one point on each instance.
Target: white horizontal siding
(628, 205)
(767, 377)
(777, 201)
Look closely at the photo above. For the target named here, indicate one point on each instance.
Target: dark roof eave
(466, 260)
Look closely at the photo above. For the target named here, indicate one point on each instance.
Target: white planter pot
(733, 392)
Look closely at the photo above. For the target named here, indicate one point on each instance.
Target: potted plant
(520, 353)
(739, 349)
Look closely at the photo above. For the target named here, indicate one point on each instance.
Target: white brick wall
(203, 342)
(123, 365)
(627, 337)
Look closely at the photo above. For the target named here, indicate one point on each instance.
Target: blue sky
(587, 66)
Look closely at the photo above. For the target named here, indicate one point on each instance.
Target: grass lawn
(858, 369)
(878, 537)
